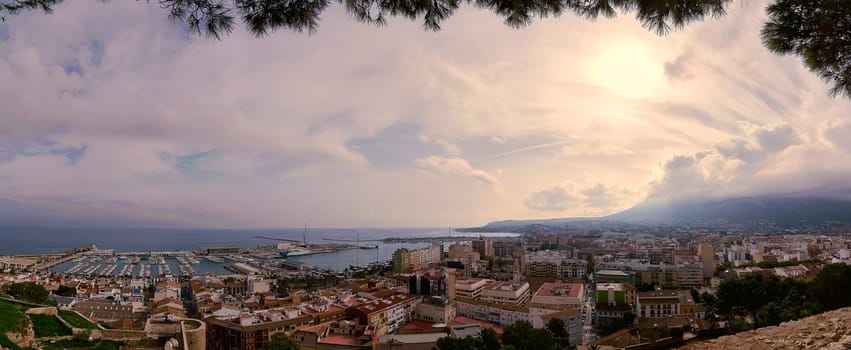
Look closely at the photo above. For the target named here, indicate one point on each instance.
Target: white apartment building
(506, 293)
(470, 287)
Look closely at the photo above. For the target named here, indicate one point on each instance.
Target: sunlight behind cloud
(627, 68)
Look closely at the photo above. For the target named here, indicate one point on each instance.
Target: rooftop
(378, 305)
(568, 290)
(503, 286)
(461, 320)
(469, 281)
(410, 338)
(612, 286)
(340, 339)
(612, 273)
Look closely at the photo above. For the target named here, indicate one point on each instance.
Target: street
(588, 312)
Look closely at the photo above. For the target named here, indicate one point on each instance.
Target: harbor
(227, 260)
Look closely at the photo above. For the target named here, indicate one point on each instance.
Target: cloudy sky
(109, 114)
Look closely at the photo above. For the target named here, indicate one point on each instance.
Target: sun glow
(626, 68)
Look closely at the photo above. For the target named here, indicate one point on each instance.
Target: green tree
(466, 343)
(769, 315)
(280, 341)
(522, 336)
(710, 304)
(490, 340)
(28, 291)
(817, 31)
(831, 286)
(558, 329)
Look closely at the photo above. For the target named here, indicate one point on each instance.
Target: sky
(112, 115)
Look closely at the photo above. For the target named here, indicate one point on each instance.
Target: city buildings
(707, 258)
(507, 249)
(665, 303)
(553, 264)
(560, 294)
(250, 331)
(613, 301)
(387, 313)
(413, 259)
(470, 288)
(500, 314)
(483, 246)
(507, 293)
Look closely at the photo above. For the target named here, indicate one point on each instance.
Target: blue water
(52, 240)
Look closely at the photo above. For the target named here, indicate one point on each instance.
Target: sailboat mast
(305, 234)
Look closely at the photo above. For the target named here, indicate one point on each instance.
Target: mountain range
(779, 210)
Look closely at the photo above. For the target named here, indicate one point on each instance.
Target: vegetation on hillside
(48, 326)
(27, 291)
(520, 335)
(12, 319)
(771, 300)
(76, 320)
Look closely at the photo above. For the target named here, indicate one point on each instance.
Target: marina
(195, 263)
(339, 252)
(143, 265)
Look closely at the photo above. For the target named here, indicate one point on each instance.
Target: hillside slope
(830, 330)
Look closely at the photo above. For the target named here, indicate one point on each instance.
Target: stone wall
(50, 310)
(830, 330)
(25, 339)
(121, 335)
(194, 334)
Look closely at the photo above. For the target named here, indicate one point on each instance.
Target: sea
(19, 241)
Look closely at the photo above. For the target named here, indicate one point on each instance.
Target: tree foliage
(466, 343)
(487, 340)
(280, 341)
(817, 31)
(28, 291)
(771, 300)
(490, 340)
(558, 329)
(831, 286)
(217, 17)
(522, 336)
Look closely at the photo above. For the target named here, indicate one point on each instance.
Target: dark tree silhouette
(280, 341)
(217, 17)
(490, 340)
(818, 31)
(28, 291)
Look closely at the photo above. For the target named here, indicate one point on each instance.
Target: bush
(28, 291)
